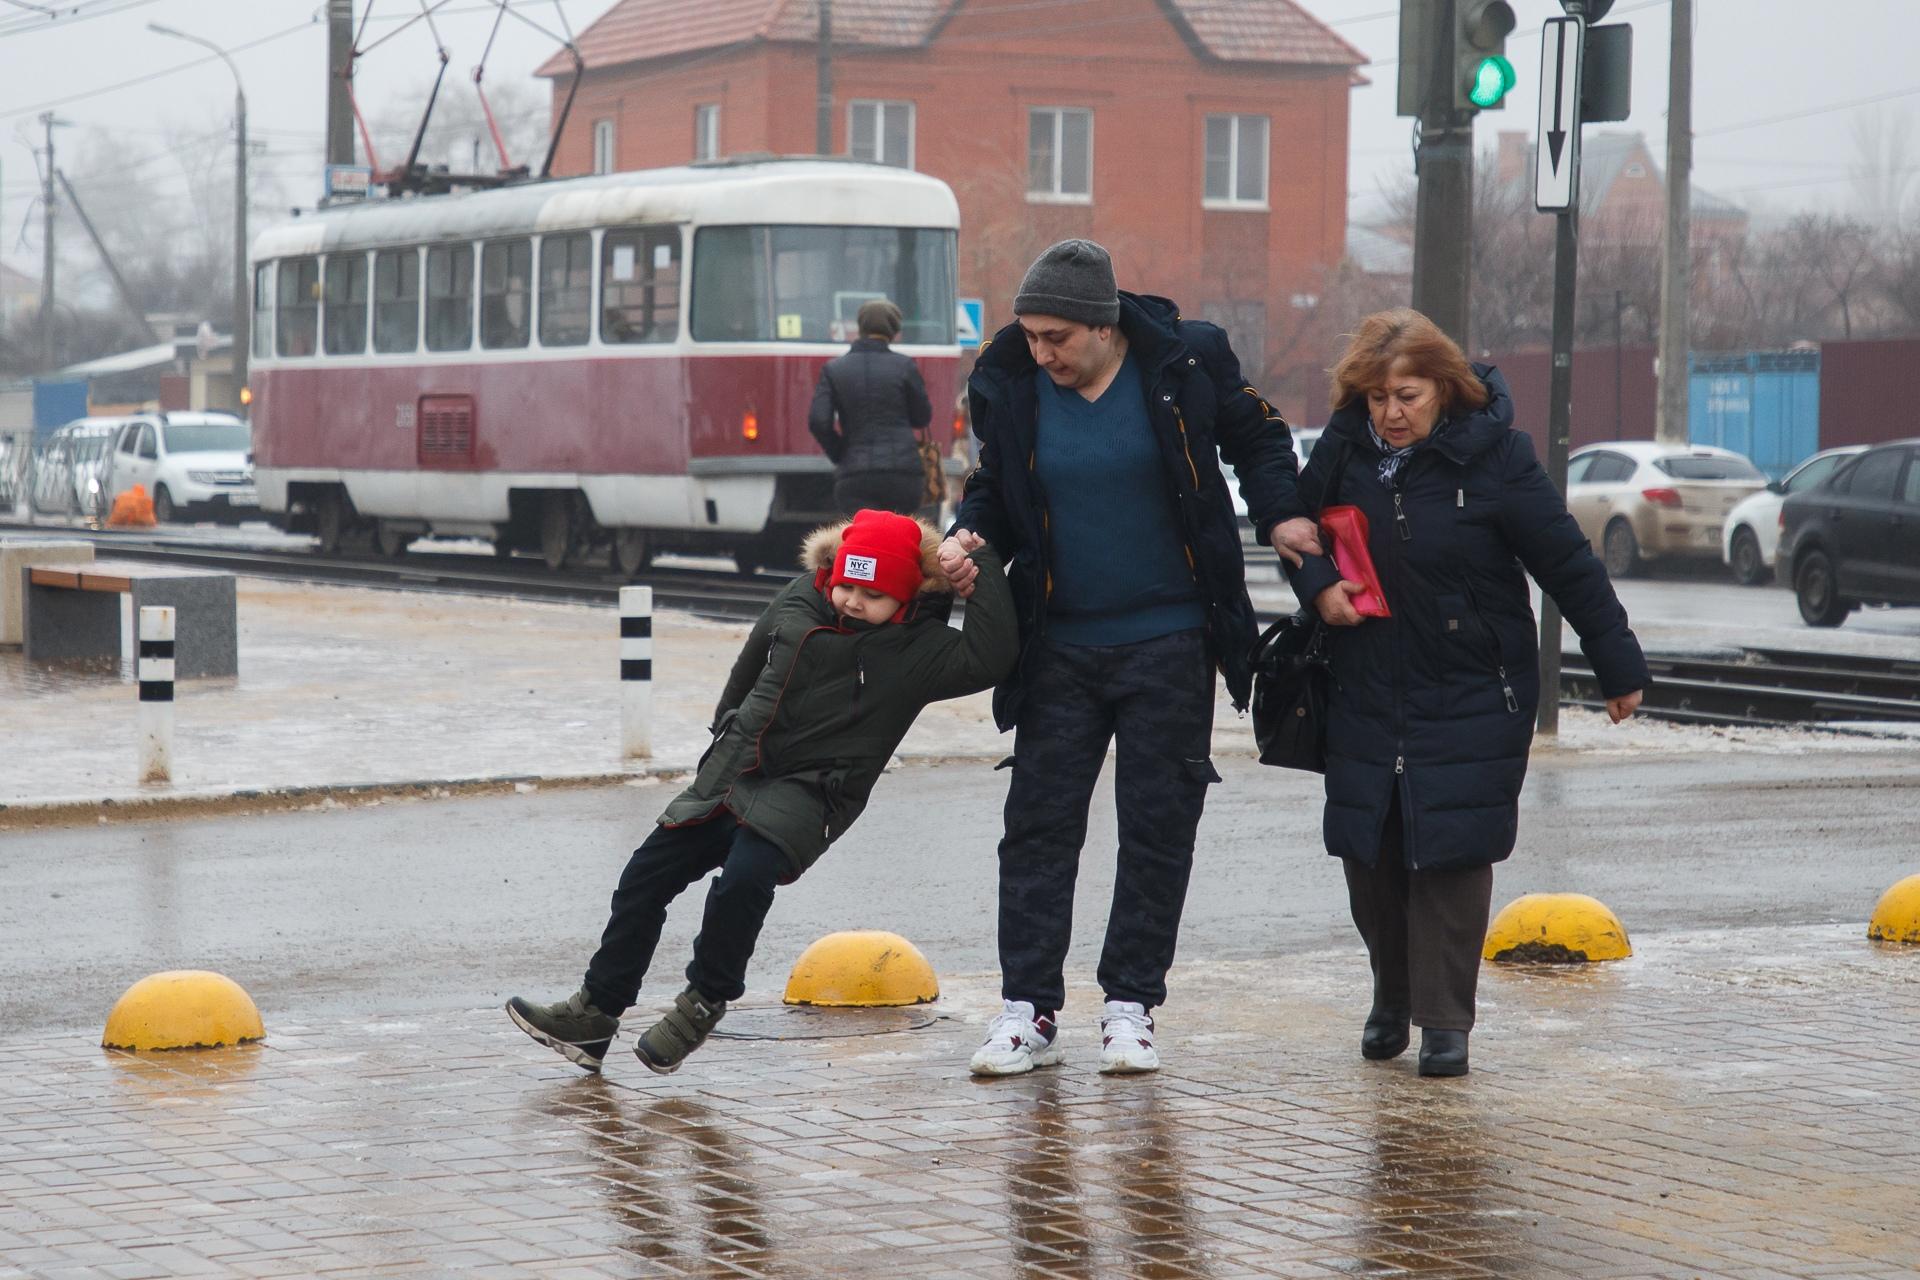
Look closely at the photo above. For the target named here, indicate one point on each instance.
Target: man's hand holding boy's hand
(952, 556)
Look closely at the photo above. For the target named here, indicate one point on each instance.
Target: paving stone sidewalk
(1741, 1104)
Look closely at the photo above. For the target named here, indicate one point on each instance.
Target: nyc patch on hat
(862, 568)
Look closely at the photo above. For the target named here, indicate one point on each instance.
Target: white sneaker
(1126, 1039)
(1018, 1040)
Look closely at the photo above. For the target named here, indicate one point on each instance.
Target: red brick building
(1204, 143)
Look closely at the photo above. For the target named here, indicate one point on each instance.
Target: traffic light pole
(1443, 203)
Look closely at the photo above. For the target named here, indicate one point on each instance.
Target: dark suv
(1855, 539)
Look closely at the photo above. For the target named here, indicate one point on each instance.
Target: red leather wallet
(1348, 526)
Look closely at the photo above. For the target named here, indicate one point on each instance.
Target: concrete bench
(16, 554)
(72, 613)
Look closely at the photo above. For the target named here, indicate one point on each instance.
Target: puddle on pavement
(799, 1022)
(21, 678)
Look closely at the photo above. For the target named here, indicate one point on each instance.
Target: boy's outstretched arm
(980, 654)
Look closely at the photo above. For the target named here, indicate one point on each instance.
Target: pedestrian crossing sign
(969, 320)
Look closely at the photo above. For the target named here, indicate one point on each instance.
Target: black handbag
(1292, 676)
(1290, 683)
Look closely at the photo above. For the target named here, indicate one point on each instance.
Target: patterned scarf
(1390, 457)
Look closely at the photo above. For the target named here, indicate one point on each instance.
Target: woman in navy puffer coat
(1432, 709)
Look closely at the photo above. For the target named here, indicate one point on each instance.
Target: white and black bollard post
(636, 672)
(154, 669)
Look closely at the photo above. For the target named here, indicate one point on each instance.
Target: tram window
(263, 311)
(640, 285)
(566, 289)
(296, 307)
(396, 300)
(506, 293)
(345, 314)
(450, 297)
(806, 284)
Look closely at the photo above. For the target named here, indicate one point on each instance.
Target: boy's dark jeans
(672, 858)
(1156, 699)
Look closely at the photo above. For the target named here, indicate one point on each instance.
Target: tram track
(706, 593)
(1749, 686)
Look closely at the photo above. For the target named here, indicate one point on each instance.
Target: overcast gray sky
(1780, 85)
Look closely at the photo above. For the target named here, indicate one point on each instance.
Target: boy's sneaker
(1126, 1039)
(666, 1044)
(1018, 1040)
(572, 1028)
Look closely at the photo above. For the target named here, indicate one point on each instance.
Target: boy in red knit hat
(829, 680)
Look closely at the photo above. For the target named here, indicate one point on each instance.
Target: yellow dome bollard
(182, 1009)
(1556, 928)
(862, 968)
(1896, 918)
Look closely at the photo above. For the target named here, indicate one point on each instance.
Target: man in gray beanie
(1103, 418)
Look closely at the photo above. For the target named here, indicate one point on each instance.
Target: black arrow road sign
(1557, 160)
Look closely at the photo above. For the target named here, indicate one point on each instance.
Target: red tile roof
(641, 30)
(1263, 31)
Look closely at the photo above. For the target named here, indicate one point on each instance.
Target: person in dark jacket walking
(829, 680)
(880, 401)
(1102, 418)
(1431, 710)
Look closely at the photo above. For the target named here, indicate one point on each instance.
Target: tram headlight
(750, 425)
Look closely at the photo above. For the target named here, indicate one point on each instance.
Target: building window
(1060, 154)
(396, 300)
(506, 293)
(881, 132)
(603, 146)
(345, 318)
(706, 132)
(640, 285)
(566, 289)
(1237, 161)
(450, 297)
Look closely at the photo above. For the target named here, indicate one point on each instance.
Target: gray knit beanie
(1072, 280)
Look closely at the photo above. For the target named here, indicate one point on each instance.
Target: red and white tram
(624, 360)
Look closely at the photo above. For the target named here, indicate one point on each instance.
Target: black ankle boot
(1442, 1052)
(1385, 1035)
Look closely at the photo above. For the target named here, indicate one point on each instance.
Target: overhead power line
(30, 108)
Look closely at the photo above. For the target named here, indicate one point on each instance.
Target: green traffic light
(1493, 79)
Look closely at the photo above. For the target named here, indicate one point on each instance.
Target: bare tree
(457, 134)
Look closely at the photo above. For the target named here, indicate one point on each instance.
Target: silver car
(69, 471)
(1639, 501)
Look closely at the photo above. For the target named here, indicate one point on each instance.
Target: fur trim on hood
(823, 544)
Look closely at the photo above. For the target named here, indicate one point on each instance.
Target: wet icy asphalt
(433, 905)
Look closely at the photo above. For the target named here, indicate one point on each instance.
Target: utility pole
(242, 296)
(47, 256)
(339, 71)
(1676, 262)
(823, 110)
(1443, 202)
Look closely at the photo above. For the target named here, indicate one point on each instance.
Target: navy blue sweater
(1120, 573)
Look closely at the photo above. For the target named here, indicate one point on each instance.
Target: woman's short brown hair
(1388, 337)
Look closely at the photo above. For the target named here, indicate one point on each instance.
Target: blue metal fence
(1764, 404)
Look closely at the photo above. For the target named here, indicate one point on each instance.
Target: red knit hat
(880, 550)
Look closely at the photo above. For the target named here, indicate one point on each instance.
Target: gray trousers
(1423, 930)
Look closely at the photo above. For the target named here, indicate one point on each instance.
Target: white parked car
(1304, 438)
(193, 465)
(1752, 535)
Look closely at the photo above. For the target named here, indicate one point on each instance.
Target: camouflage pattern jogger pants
(1156, 699)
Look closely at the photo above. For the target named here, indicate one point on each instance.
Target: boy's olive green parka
(816, 704)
